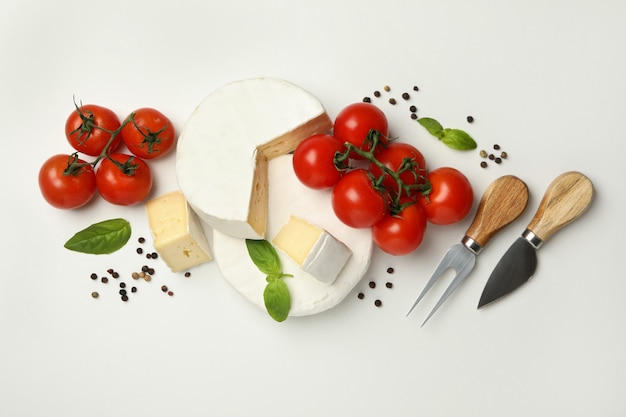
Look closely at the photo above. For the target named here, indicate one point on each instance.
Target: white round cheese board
(287, 196)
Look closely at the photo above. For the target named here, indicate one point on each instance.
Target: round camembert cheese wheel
(224, 148)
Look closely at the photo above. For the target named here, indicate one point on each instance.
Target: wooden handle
(503, 201)
(566, 198)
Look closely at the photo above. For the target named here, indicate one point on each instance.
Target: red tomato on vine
(354, 122)
(88, 129)
(148, 134)
(451, 196)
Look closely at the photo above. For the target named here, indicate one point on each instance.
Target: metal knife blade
(568, 196)
(515, 268)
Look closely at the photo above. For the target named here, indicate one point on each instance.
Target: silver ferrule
(532, 238)
(471, 244)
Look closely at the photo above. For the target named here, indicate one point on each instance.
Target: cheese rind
(224, 147)
(178, 235)
(315, 250)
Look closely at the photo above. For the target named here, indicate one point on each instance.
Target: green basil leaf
(458, 139)
(264, 256)
(277, 299)
(433, 126)
(101, 238)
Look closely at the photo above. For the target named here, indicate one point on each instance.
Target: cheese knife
(567, 198)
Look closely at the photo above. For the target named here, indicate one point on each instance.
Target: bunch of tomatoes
(70, 181)
(380, 183)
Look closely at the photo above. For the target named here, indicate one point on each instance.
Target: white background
(545, 79)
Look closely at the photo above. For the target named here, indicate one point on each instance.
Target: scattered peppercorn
(151, 271)
(483, 164)
(387, 88)
(135, 275)
(392, 101)
(415, 88)
(470, 119)
(496, 147)
(376, 93)
(492, 156)
(94, 276)
(483, 153)
(145, 268)
(147, 278)
(95, 294)
(390, 270)
(148, 256)
(104, 280)
(378, 303)
(133, 289)
(497, 160)
(123, 292)
(187, 274)
(412, 109)
(164, 288)
(141, 240)
(367, 100)
(124, 298)
(110, 270)
(389, 285)
(413, 116)
(372, 284)
(139, 251)
(170, 293)
(406, 96)
(360, 296)
(155, 255)
(503, 155)
(115, 274)
(122, 285)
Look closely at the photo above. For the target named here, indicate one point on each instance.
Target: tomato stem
(408, 165)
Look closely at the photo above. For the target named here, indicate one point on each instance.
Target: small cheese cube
(178, 235)
(314, 249)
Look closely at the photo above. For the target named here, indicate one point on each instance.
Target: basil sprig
(276, 294)
(452, 138)
(101, 238)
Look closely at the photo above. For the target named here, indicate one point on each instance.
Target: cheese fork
(503, 201)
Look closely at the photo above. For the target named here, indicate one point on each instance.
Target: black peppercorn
(360, 296)
(406, 96)
(367, 100)
(378, 303)
(372, 284)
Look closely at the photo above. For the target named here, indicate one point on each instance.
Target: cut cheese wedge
(224, 149)
(287, 197)
(314, 249)
(177, 232)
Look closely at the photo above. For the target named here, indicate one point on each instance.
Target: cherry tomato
(65, 182)
(354, 122)
(356, 202)
(84, 129)
(393, 156)
(451, 197)
(149, 134)
(313, 161)
(401, 234)
(126, 184)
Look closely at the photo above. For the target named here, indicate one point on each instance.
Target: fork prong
(445, 263)
(461, 274)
